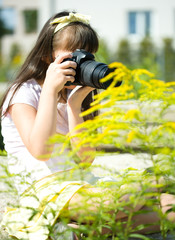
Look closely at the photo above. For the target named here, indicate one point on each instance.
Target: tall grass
(137, 118)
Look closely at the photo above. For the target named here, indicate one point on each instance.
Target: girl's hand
(77, 95)
(59, 73)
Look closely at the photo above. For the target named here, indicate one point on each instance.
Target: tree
(103, 54)
(146, 53)
(169, 58)
(124, 52)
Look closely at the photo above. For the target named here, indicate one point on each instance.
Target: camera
(89, 72)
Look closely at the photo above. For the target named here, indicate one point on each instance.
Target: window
(7, 20)
(139, 23)
(30, 20)
(174, 21)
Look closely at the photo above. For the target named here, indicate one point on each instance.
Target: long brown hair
(75, 35)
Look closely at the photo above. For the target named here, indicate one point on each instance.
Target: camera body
(89, 72)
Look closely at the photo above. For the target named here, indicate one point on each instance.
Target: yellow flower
(131, 136)
(132, 114)
(17, 60)
(170, 125)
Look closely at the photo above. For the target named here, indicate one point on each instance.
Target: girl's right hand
(59, 72)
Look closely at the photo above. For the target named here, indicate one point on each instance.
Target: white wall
(109, 18)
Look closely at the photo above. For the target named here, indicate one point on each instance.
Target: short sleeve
(28, 93)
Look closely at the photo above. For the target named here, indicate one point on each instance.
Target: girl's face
(60, 52)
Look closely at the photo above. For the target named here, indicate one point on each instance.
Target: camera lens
(91, 72)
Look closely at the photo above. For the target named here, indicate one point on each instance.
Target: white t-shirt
(21, 162)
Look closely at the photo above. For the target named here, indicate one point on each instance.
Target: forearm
(36, 126)
(44, 125)
(84, 153)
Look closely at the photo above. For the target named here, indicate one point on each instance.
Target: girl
(37, 106)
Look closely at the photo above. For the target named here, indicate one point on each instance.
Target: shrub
(103, 54)
(142, 128)
(168, 58)
(124, 53)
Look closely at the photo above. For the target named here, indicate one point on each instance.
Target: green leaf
(139, 236)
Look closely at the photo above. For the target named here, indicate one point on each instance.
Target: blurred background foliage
(146, 54)
(158, 60)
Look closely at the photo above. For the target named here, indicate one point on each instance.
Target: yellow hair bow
(72, 17)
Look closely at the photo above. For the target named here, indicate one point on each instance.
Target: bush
(146, 55)
(144, 128)
(124, 53)
(169, 59)
(103, 54)
(133, 118)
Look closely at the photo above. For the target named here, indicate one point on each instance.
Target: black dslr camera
(89, 72)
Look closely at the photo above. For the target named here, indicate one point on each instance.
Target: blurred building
(23, 12)
(113, 19)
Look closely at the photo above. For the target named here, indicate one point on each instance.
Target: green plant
(133, 118)
(146, 50)
(145, 128)
(15, 54)
(10, 66)
(147, 56)
(169, 58)
(103, 54)
(124, 54)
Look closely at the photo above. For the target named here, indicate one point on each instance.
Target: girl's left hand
(77, 95)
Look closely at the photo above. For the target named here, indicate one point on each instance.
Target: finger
(61, 57)
(69, 71)
(69, 64)
(70, 78)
